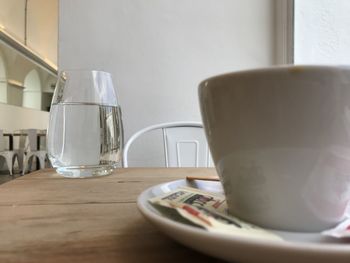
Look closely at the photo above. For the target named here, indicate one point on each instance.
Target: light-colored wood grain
(47, 218)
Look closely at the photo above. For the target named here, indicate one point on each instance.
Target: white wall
(14, 95)
(42, 37)
(12, 17)
(42, 24)
(158, 51)
(322, 32)
(43, 28)
(32, 90)
(3, 79)
(15, 118)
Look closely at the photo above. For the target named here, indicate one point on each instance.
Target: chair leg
(13, 161)
(20, 161)
(9, 164)
(30, 163)
(42, 162)
(25, 164)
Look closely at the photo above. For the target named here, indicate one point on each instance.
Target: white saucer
(297, 247)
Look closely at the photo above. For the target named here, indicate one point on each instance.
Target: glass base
(85, 171)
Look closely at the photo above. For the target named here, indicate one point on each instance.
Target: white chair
(10, 156)
(184, 144)
(29, 149)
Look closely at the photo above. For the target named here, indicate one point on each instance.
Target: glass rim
(86, 103)
(83, 70)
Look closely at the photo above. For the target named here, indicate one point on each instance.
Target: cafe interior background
(157, 52)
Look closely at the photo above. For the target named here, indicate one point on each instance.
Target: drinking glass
(85, 135)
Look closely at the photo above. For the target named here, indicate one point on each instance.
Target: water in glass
(85, 136)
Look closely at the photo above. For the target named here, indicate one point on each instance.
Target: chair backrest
(28, 140)
(42, 141)
(2, 141)
(184, 143)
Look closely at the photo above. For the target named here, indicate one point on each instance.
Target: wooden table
(47, 218)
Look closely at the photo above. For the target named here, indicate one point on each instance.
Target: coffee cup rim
(276, 68)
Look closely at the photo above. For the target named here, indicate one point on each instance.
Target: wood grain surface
(47, 218)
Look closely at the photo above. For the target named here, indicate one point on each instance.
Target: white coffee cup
(280, 141)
